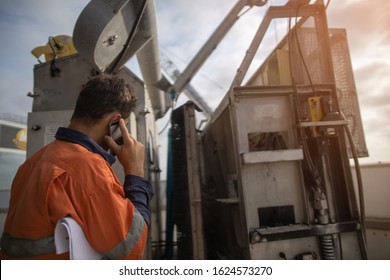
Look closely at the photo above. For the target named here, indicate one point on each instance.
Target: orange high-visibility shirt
(66, 179)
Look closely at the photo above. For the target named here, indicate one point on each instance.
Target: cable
(51, 46)
(359, 180)
(174, 102)
(167, 124)
(297, 103)
(301, 53)
(53, 68)
(200, 72)
(129, 39)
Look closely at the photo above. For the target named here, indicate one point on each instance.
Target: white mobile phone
(115, 132)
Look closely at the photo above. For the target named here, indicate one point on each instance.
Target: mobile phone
(115, 132)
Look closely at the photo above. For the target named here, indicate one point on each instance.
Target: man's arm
(132, 155)
(139, 192)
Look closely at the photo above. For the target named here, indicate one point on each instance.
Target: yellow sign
(315, 109)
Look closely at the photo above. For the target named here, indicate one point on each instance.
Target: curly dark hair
(104, 94)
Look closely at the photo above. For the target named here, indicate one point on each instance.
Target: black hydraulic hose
(359, 182)
(113, 67)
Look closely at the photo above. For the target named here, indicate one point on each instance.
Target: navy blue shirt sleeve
(140, 192)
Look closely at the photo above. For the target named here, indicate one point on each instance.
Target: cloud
(13, 90)
(372, 81)
(366, 22)
(372, 88)
(24, 26)
(54, 14)
(192, 21)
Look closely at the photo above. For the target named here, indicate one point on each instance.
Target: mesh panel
(346, 90)
(343, 75)
(309, 64)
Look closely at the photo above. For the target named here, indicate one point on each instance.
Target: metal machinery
(275, 176)
(269, 175)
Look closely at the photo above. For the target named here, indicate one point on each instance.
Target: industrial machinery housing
(268, 177)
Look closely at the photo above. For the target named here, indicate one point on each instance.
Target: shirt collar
(75, 136)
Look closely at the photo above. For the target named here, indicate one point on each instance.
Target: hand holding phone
(131, 154)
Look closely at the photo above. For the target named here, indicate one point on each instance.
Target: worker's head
(103, 95)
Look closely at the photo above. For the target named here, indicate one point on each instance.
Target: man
(72, 177)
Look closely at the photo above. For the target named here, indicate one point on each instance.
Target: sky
(183, 27)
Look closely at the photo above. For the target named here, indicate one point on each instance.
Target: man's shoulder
(62, 157)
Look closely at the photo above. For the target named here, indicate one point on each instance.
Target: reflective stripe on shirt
(25, 248)
(131, 240)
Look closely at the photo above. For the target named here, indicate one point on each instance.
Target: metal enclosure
(55, 98)
(278, 183)
(258, 203)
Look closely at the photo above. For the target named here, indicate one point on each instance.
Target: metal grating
(346, 90)
(343, 75)
(309, 45)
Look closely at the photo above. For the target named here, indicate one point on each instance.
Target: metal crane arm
(206, 50)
